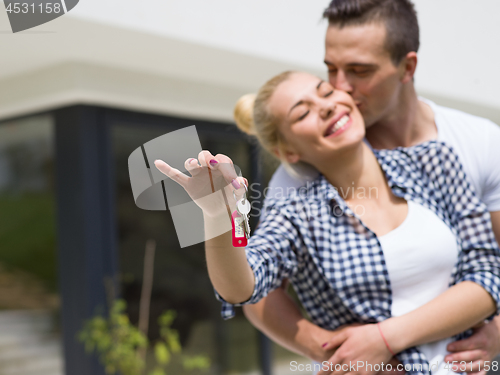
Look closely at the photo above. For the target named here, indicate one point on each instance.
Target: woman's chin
(346, 140)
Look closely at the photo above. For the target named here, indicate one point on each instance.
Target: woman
(345, 269)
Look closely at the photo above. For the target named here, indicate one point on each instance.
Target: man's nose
(342, 83)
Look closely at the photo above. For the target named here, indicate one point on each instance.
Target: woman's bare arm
(457, 309)
(228, 267)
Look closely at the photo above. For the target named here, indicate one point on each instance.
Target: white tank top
(420, 255)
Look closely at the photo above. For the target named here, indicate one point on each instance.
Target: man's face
(359, 63)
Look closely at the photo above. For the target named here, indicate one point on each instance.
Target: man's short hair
(399, 17)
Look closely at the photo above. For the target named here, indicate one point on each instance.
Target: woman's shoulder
(312, 191)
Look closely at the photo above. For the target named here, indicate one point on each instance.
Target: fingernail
(191, 160)
(236, 184)
(325, 344)
(213, 162)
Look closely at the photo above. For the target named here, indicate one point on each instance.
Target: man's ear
(291, 157)
(408, 67)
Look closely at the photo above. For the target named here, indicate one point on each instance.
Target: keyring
(245, 195)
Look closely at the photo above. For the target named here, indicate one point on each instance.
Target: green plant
(121, 346)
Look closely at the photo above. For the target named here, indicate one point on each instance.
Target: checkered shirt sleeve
(271, 253)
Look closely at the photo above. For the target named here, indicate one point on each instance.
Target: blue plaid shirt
(336, 264)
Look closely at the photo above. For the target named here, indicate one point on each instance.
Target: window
(29, 300)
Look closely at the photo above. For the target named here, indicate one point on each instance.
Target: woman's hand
(209, 174)
(357, 347)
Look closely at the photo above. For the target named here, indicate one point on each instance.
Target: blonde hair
(252, 115)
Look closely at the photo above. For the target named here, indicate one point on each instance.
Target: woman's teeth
(339, 124)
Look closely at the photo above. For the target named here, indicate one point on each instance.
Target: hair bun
(243, 114)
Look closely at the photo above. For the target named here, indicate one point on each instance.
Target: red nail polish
(325, 344)
(213, 162)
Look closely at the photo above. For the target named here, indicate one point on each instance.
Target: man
(371, 50)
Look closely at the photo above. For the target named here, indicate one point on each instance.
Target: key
(243, 207)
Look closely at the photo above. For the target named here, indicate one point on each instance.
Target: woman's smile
(338, 126)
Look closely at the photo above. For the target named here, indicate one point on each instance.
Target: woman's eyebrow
(295, 105)
(301, 101)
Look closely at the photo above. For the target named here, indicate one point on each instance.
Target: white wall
(460, 51)
(460, 39)
(286, 30)
(229, 44)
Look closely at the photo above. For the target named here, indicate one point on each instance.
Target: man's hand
(482, 346)
(329, 351)
(357, 345)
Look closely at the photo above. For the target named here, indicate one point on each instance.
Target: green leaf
(196, 362)
(167, 318)
(119, 306)
(119, 343)
(157, 371)
(172, 338)
(162, 354)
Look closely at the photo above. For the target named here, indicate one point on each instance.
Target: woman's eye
(303, 116)
(328, 94)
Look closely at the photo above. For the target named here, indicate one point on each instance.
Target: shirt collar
(326, 192)
(397, 173)
(397, 167)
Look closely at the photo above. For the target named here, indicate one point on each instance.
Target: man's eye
(328, 94)
(361, 72)
(303, 116)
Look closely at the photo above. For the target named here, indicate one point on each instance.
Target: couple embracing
(414, 280)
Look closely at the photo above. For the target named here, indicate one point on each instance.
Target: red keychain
(239, 221)
(238, 233)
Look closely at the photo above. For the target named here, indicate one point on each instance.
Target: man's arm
(484, 345)
(279, 318)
